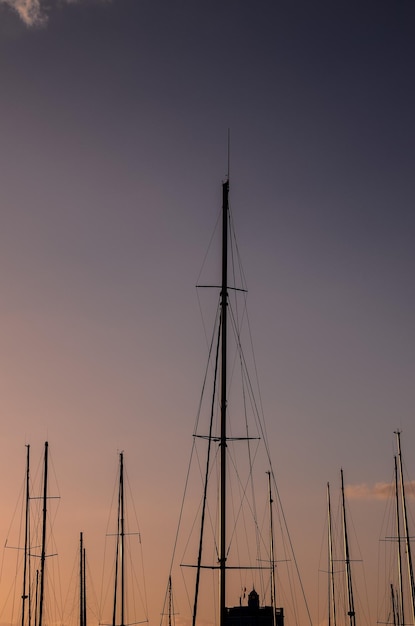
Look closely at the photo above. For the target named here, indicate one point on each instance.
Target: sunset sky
(114, 117)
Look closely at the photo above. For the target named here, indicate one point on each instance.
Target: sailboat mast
(405, 520)
(272, 555)
(398, 533)
(119, 588)
(223, 402)
(82, 582)
(351, 611)
(25, 594)
(84, 585)
(43, 552)
(332, 598)
(122, 537)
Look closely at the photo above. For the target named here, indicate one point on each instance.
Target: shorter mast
(120, 562)
(400, 607)
(406, 529)
(84, 568)
(82, 582)
(26, 562)
(349, 586)
(332, 598)
(43, 552)
(272, 555)
(124, 568)
(122, 538)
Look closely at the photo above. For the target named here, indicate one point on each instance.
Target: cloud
(31, 12)
(379, 491)
(34, 12)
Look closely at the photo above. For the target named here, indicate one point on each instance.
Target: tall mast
(43, 552)
(82, 582)
(272, 555)
(332, 598)
(25, 593)
(119, 560)
(351, 611)
(401, 612)
(406, 530)
(223, 401)
(122, 537)
(84, 569)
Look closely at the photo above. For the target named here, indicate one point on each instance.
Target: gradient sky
(113, 127)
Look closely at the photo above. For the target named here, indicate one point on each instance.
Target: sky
(114, 117)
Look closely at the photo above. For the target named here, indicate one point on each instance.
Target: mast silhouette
(82, 582)
(331, 594)
(120, 561)
(253, 613)
(272, 554)
(400, 608)
(223, 402)
(26, 563)
(43, 552)
(349, 586)
(406, 529)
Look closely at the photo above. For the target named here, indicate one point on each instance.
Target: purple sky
(113, 128)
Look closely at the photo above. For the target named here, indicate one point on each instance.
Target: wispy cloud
(379, 491)
(30, 11)
(34, 12)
